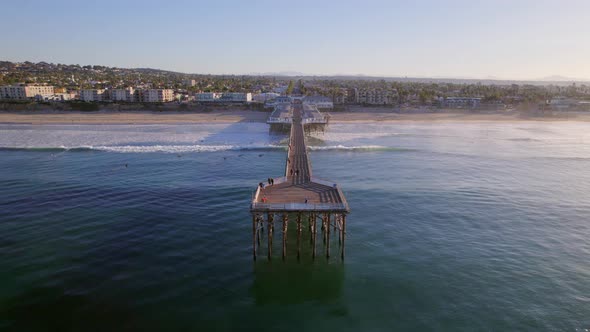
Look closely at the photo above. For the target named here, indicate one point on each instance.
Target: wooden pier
(298, 197)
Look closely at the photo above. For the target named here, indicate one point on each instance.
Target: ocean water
(454, 226)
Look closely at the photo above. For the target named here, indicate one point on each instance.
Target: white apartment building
(264, 97)
(158, 95)
(236, 97)
(461, 102)
(123, 94)
(232, 97)
(91, 95)
(22, 92)
(207, 96)
(318, 101)
(375, 96)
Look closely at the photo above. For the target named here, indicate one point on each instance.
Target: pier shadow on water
(293, 283)
(296, 281)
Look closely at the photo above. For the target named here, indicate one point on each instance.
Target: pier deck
(298, 193)
(289, 193)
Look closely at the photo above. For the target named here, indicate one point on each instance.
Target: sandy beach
(130, 117)
(108, 117)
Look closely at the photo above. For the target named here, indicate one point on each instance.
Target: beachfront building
(24, 92)
(461, 102)
(123, 94)
(92, 95)
(278, 101)
(265, 96)
(236, 97)
(60, 97)
(561, 103)
(283, 100)
(157, 95)
(207, 96)
(318, 101)
(225, 97)
(375, 96)
(341, 97)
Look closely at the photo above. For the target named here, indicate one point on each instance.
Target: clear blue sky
(518, 39)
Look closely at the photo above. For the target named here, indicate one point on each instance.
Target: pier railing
(299, 207)
(256, 193)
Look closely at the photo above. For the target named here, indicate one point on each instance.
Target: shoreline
(233, 116)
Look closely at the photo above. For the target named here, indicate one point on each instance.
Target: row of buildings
(320, 102)
(366, 96)
(229, 97)
(24, 92)
(130, 94)
(49, 93)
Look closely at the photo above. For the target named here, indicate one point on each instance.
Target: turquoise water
(454, 226)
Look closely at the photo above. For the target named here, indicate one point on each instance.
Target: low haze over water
(454, 226)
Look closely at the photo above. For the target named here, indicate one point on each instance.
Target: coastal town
(57, 83)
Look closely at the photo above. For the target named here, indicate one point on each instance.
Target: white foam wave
(343, 147)
(181, 148)
(195, 148)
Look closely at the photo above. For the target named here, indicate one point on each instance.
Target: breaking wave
(148, 148)
(195, 148)
(357, 148)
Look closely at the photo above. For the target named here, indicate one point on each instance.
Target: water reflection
(293, 283)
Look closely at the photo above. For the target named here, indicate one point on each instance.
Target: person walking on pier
(272, 181)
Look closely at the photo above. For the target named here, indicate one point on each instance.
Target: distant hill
(44, 67)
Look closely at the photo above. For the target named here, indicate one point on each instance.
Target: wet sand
(131, 117)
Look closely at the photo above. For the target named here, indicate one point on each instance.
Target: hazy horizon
(507, 40)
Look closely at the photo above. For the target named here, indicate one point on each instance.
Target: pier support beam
(269, 220)
(285, 228)
(338, 221)
(298, 236)
(254, 234)
(259, 229)
(343, 235)
(313, 233)
(328, 236)
(324, 229)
